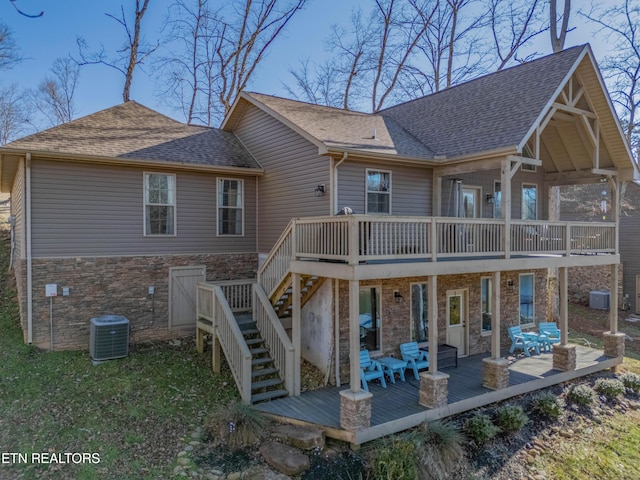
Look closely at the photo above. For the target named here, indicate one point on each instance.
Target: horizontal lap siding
(17, 210)
(629, 232)
(411, 192)
(293, 170)
(97, 210)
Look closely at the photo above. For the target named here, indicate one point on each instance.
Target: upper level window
(497, 200)
(230, 207)
(529, 201)
(159, 204)
(378, 191)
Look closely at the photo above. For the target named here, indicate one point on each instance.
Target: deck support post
(434, 389)
(355, 410)
(495, 317)
(563, 299)
(564, 357)
(495, 373)
(613, 300)
(433, 324)
(215, 353)
(295, 330)
(354, 335)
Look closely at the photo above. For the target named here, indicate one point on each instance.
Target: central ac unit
(109, 337)
(599, 300)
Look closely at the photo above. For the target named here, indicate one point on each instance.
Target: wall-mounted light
(490, 198)
(319, 191)
(511, 284)
(397, 297)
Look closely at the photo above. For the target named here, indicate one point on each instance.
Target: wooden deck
(396, 408)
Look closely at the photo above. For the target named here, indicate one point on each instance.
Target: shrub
(547, 405)
(631, 381)
(394, 460)
(343, 466)
(609, 387)
(511, 418)
(438, 448)
(238, 424)
(480, 428)
(580, 394)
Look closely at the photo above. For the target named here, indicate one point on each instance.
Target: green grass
(133, 412)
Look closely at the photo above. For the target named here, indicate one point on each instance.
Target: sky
(54, 35)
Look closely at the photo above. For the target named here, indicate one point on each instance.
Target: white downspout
(334, 181)
(28, 248)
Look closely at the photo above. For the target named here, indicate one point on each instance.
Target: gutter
(27, 198)
(333, 180)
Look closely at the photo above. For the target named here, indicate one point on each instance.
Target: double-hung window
(529, 201)
(378, 191)
(159, 204)
(527, 297)
(420, 312)
(230, 207)
(370, 331)
(486, 307)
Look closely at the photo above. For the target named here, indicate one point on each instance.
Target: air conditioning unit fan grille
(109, 337)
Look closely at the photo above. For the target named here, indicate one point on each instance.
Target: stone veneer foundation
(564, 357)
(114, 285)
(614, 344)
(495, 373)
(355, 410)
(434, 389)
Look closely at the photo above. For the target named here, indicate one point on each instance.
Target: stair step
(258, 351)
(260, 397)
(247, 326)
(260, 372)
(270, 382)
(254, 341)
(261, 361)
(251, 331)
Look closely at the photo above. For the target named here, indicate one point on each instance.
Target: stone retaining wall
(583, 280)
(114, 285)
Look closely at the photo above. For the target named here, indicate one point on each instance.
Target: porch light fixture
(319, 191)
(397, 297)
(490, 198)
(511, 284)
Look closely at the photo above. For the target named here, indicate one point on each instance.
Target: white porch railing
(357, 238)
(275, 337)
(238, 294)
(276, 266)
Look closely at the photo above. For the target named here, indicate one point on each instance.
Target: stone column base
(613, 344)
(434, 389)
(495, 373)
(564, 357)
(355, 410)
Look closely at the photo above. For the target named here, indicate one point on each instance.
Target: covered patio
(396, 407)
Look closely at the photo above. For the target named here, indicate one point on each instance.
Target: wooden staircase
(282, 300)
(266, 383)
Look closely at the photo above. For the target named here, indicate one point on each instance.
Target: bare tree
(13, 2)
(13, 114)
(621, 24)
(133, 52)
(54, 97)
(9, 50)
(557, 39)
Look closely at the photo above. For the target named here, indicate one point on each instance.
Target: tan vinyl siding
(97, 210)
(293, 170)
(629, 250)
(411, 188)
(17, 210)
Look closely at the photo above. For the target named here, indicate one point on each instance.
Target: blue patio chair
(523, 341)
(370, 370)
(416, 359)
(551, 330)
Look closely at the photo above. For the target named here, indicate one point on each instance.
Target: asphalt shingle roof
(488, 113)
(133, 131)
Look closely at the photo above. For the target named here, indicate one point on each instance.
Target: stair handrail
(276, 266)
(233, 343)
(275, 337)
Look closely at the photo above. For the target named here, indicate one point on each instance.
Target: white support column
(433, 324)
(354, 335)
(563, 282)
(505, 205)
(336, 326)
(613, 300)
(295, 330)
(495, 317)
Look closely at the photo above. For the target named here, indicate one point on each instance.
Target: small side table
(392, 365)
(545, 343)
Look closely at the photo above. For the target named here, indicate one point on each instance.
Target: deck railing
(275, 337)
(276, 266)
(357, 238)
(212, 305)
(239, 294)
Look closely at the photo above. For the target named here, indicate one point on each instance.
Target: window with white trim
(529, 201)
(527, 297)
(378, 191)
(230, 206)
(370, 331)
(159, 204)
(419, 312)
(486, 298)
(497, 200)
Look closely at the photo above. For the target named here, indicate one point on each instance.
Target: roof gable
(131, 131)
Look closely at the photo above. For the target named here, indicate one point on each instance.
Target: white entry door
(182, 294)
(457, 321)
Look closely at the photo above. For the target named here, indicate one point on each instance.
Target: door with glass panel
(457, 321)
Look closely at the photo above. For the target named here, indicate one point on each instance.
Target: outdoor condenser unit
(599, 300)
(109, 337)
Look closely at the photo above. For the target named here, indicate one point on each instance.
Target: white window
(230, 207)
(497, 200)
(378, 191)
(527, 297)
(529, 201)
(159, 204)
(486, 307)
(420, 312)
(370, 333)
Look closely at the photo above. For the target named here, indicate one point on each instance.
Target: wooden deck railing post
(354, 240)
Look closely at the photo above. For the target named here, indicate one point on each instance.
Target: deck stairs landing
(266, 383)
(282, 298)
